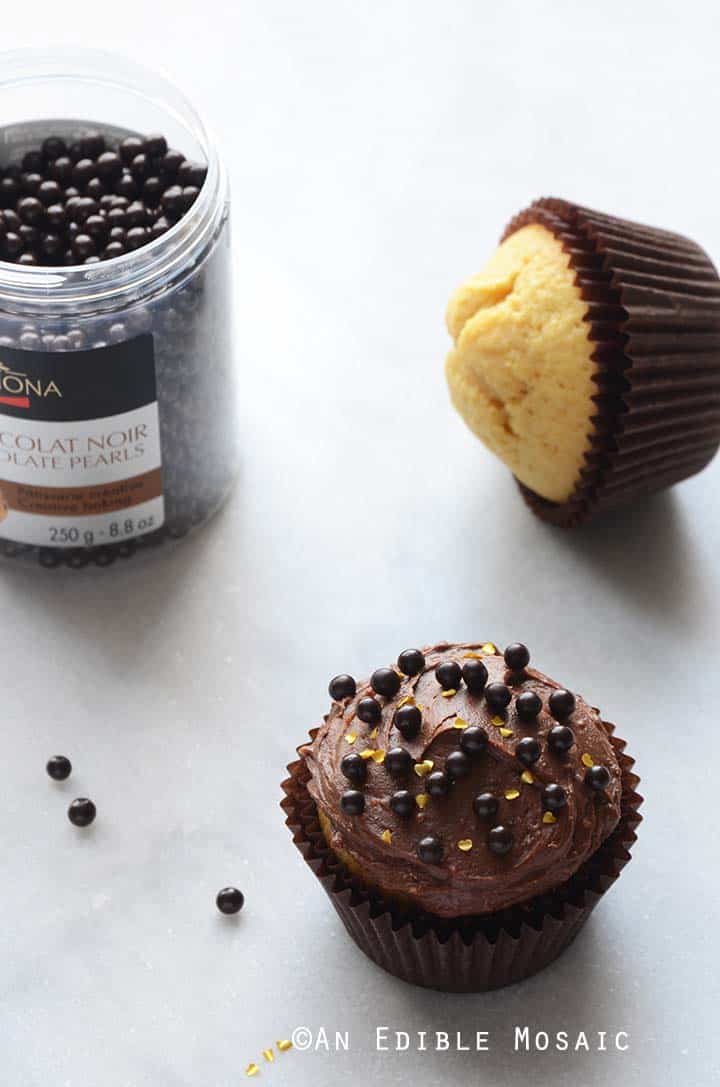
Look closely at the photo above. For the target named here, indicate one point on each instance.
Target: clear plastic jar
(117, 384)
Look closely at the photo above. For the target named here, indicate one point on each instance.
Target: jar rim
(142, 272)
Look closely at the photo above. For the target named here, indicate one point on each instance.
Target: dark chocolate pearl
(92, 145)
(354, 768)
(473, 740)
(528, 750)
(449, 675)
(49, 193)
(497, 696)
(136, 237)
(75, 151)
(117, 217)
(30, 183)
(561, 704)
(554, 797)
(528, 705)
(560, 739)
(475, 675)
(189, 195)
(61, 169)
(118, 234)
(437, 783)
(230, 900)
(192, 173)
(172, 201)
(485, 806)
(129, 148)
(408, 720)
(171, 162)
(11, 219)
(127, 186)
(140, 166)
(341, 687)
(56, 215)
(95, 188)
(51, 245)
(153, 190)
(83, 171)
(96, 226)
(517, 657)
(28, 259)
(457, 765)
(155, 145)
(30, 236)
(52, 148)
(369, 710)
(9, 191)
(59, 768)
(82, 812)
(430, 850)
(83, 246)
(402, 803)
(109, 166)
(135, 213)
(411, 662)
(30, 341)
(94, 259)
(84, 208)
(32, 161)
(597, 777)
(352, 802)
(30, 209)
(398, 762)
(385, 681)
(500, 840)
(113, 249)
(159, 227)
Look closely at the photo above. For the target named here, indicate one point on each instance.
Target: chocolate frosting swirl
(472, 879)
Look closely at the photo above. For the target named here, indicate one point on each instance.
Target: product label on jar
(80, 457)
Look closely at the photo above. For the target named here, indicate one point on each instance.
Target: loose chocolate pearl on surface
(341, 687)
(457, 765)
(528, 751)
(554, 797)
(386, 682)
(59, 768)
(517, 657)
(500, 840)
(369, 710)
(430, 850)
(354, 768)
(475, 675)
(408, 721)
(561, 704)
(398, 762)
(449, 675)
(437, 783)
(411, 662)
(485, 806)
(560, 739)
(498, 696)
(230, 900)
(352, 802)
(82, 812)
(597, 777)
(528, 705)
(402, 803)
(473, 740)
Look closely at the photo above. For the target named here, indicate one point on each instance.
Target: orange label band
(82, 501)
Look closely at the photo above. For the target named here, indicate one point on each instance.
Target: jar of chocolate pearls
(117, 400)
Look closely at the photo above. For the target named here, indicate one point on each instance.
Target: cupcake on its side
(464, 813)
(587, 357)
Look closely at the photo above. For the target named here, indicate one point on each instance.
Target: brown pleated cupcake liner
(469, 954)
(653, 301)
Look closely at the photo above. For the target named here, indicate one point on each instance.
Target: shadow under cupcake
(464, 813)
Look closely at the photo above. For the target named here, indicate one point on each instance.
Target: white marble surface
(376, 154)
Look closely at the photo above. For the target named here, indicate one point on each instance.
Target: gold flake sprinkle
(269, 1055)
(422, 769)
(367, 753)
(497, 721)
(505, 731)
(373, 734)
(284, 1044)
(252, 1070)
(587, 760)
(378, 756)
(465, 845)
(548, 817)
(450, 693)
(489, 648)
(408, 700)
(460, 722)
(421, 800)
(387, 836)
(472, 657)
(512, 794)
(351, 737)
(527, 777)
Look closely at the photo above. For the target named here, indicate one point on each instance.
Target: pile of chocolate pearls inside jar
(75, 197)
